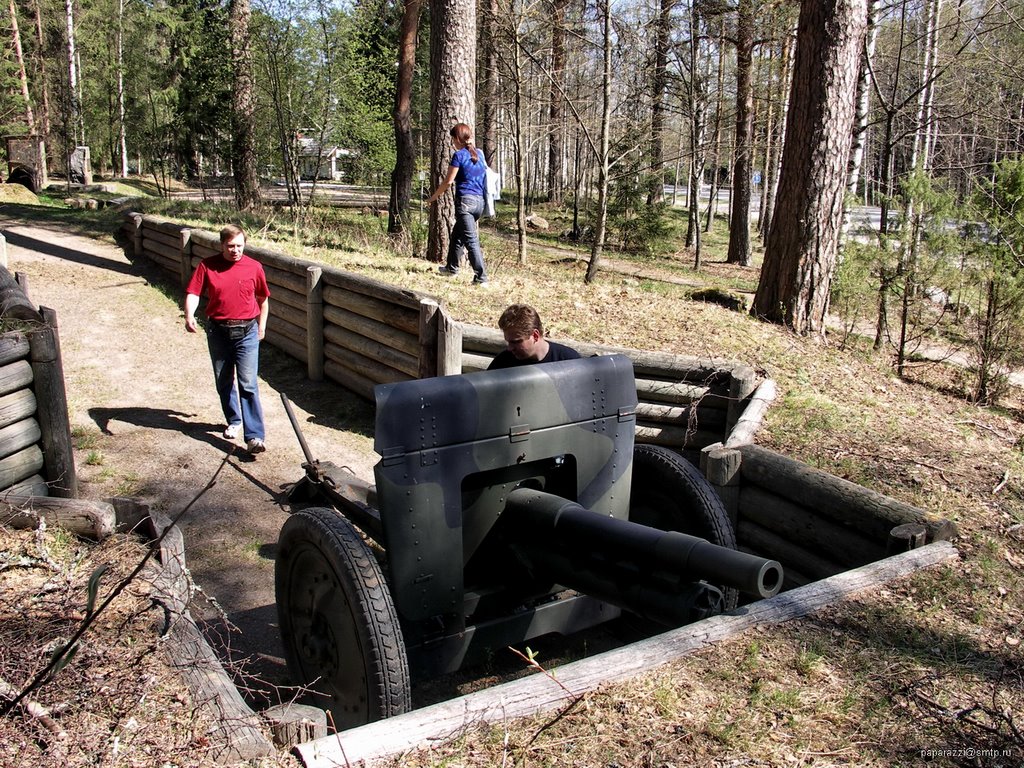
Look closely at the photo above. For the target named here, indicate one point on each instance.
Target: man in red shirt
(238, 304)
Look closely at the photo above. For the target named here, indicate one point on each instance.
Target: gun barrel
(552, 524)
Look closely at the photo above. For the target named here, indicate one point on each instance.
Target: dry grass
(925, 671)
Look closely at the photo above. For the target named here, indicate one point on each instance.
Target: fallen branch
(33, 709)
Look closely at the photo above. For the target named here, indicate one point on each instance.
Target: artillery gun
(508, 505)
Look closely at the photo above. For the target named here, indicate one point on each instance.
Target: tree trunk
(800, 254)
(556, 134)
(604, 159)
(488, 134)
(122, 139)
(243, 109)
(659, 86)
(453, 100)
(22, 75)
(405, 150)
(739, 220)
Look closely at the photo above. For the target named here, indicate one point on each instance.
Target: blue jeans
(238, 360)
(468, 210)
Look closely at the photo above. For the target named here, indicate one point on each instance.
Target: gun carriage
(508, 505)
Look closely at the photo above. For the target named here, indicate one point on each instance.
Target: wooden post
(3, 252)
(315, 323)
(136, 234)
(906, 537)
(186, 257)
(721, 467)
(742, 383)
(449, 345)
(294, 724)
(48, 372)
(751, 417)
(428, 338)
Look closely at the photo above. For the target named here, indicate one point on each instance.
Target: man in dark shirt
(524, 337)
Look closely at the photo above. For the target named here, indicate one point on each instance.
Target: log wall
(814, 523)
(36, 457)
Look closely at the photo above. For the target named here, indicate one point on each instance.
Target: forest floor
(930, 663)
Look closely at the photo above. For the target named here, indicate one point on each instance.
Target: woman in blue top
(469, 173)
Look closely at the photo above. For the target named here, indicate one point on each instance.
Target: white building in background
(321, 162)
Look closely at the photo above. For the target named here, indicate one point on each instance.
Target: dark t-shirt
(555, 353)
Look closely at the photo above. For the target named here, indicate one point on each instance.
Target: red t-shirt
(235, 289)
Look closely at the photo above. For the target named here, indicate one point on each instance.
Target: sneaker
(447, 271)
(231, 433)
(480, 280)
(255, 445)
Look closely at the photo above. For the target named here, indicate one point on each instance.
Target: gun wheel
(670, 494)
(338, 623)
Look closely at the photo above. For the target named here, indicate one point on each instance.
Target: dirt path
(148, 425)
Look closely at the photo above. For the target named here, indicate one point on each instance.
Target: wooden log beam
(17, 406)
(535, 694)
(314, 324)
(840, 500)
(752, 417)
(288, 346)
(396, 338)
(394, 315)
(13, 346)
(767, 543)
(18, 435)
(89, 519)
(14, 376)
(14, 303)
(20, 466)
(848, 545)
(281, 295)
(383, 354)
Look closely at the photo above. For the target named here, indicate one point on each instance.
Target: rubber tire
(339, 628)
(670, 494)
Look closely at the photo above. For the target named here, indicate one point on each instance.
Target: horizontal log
(846, 545)
(17, 406)
(674, 437)
(206, 240)
(287, 279)
(844, 502)
(679, 393)
(351, 380)
(200, 251)
(294, 315)
(289, 330)
(170, 253)
(160, 259)
(19, 466)
(369, 366)
(280, 295)
(30, 486)
(374, 289)
(396, 338)
(164, 226)
(18, 435)
(14, 376)
(13, 346)
(275, 261)
(90, 519)
(767, 543)
(706, 419)
(530, 696)
(171, 239)
(372, 349)
(472, 363)
(397, 316)
(286, 345)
